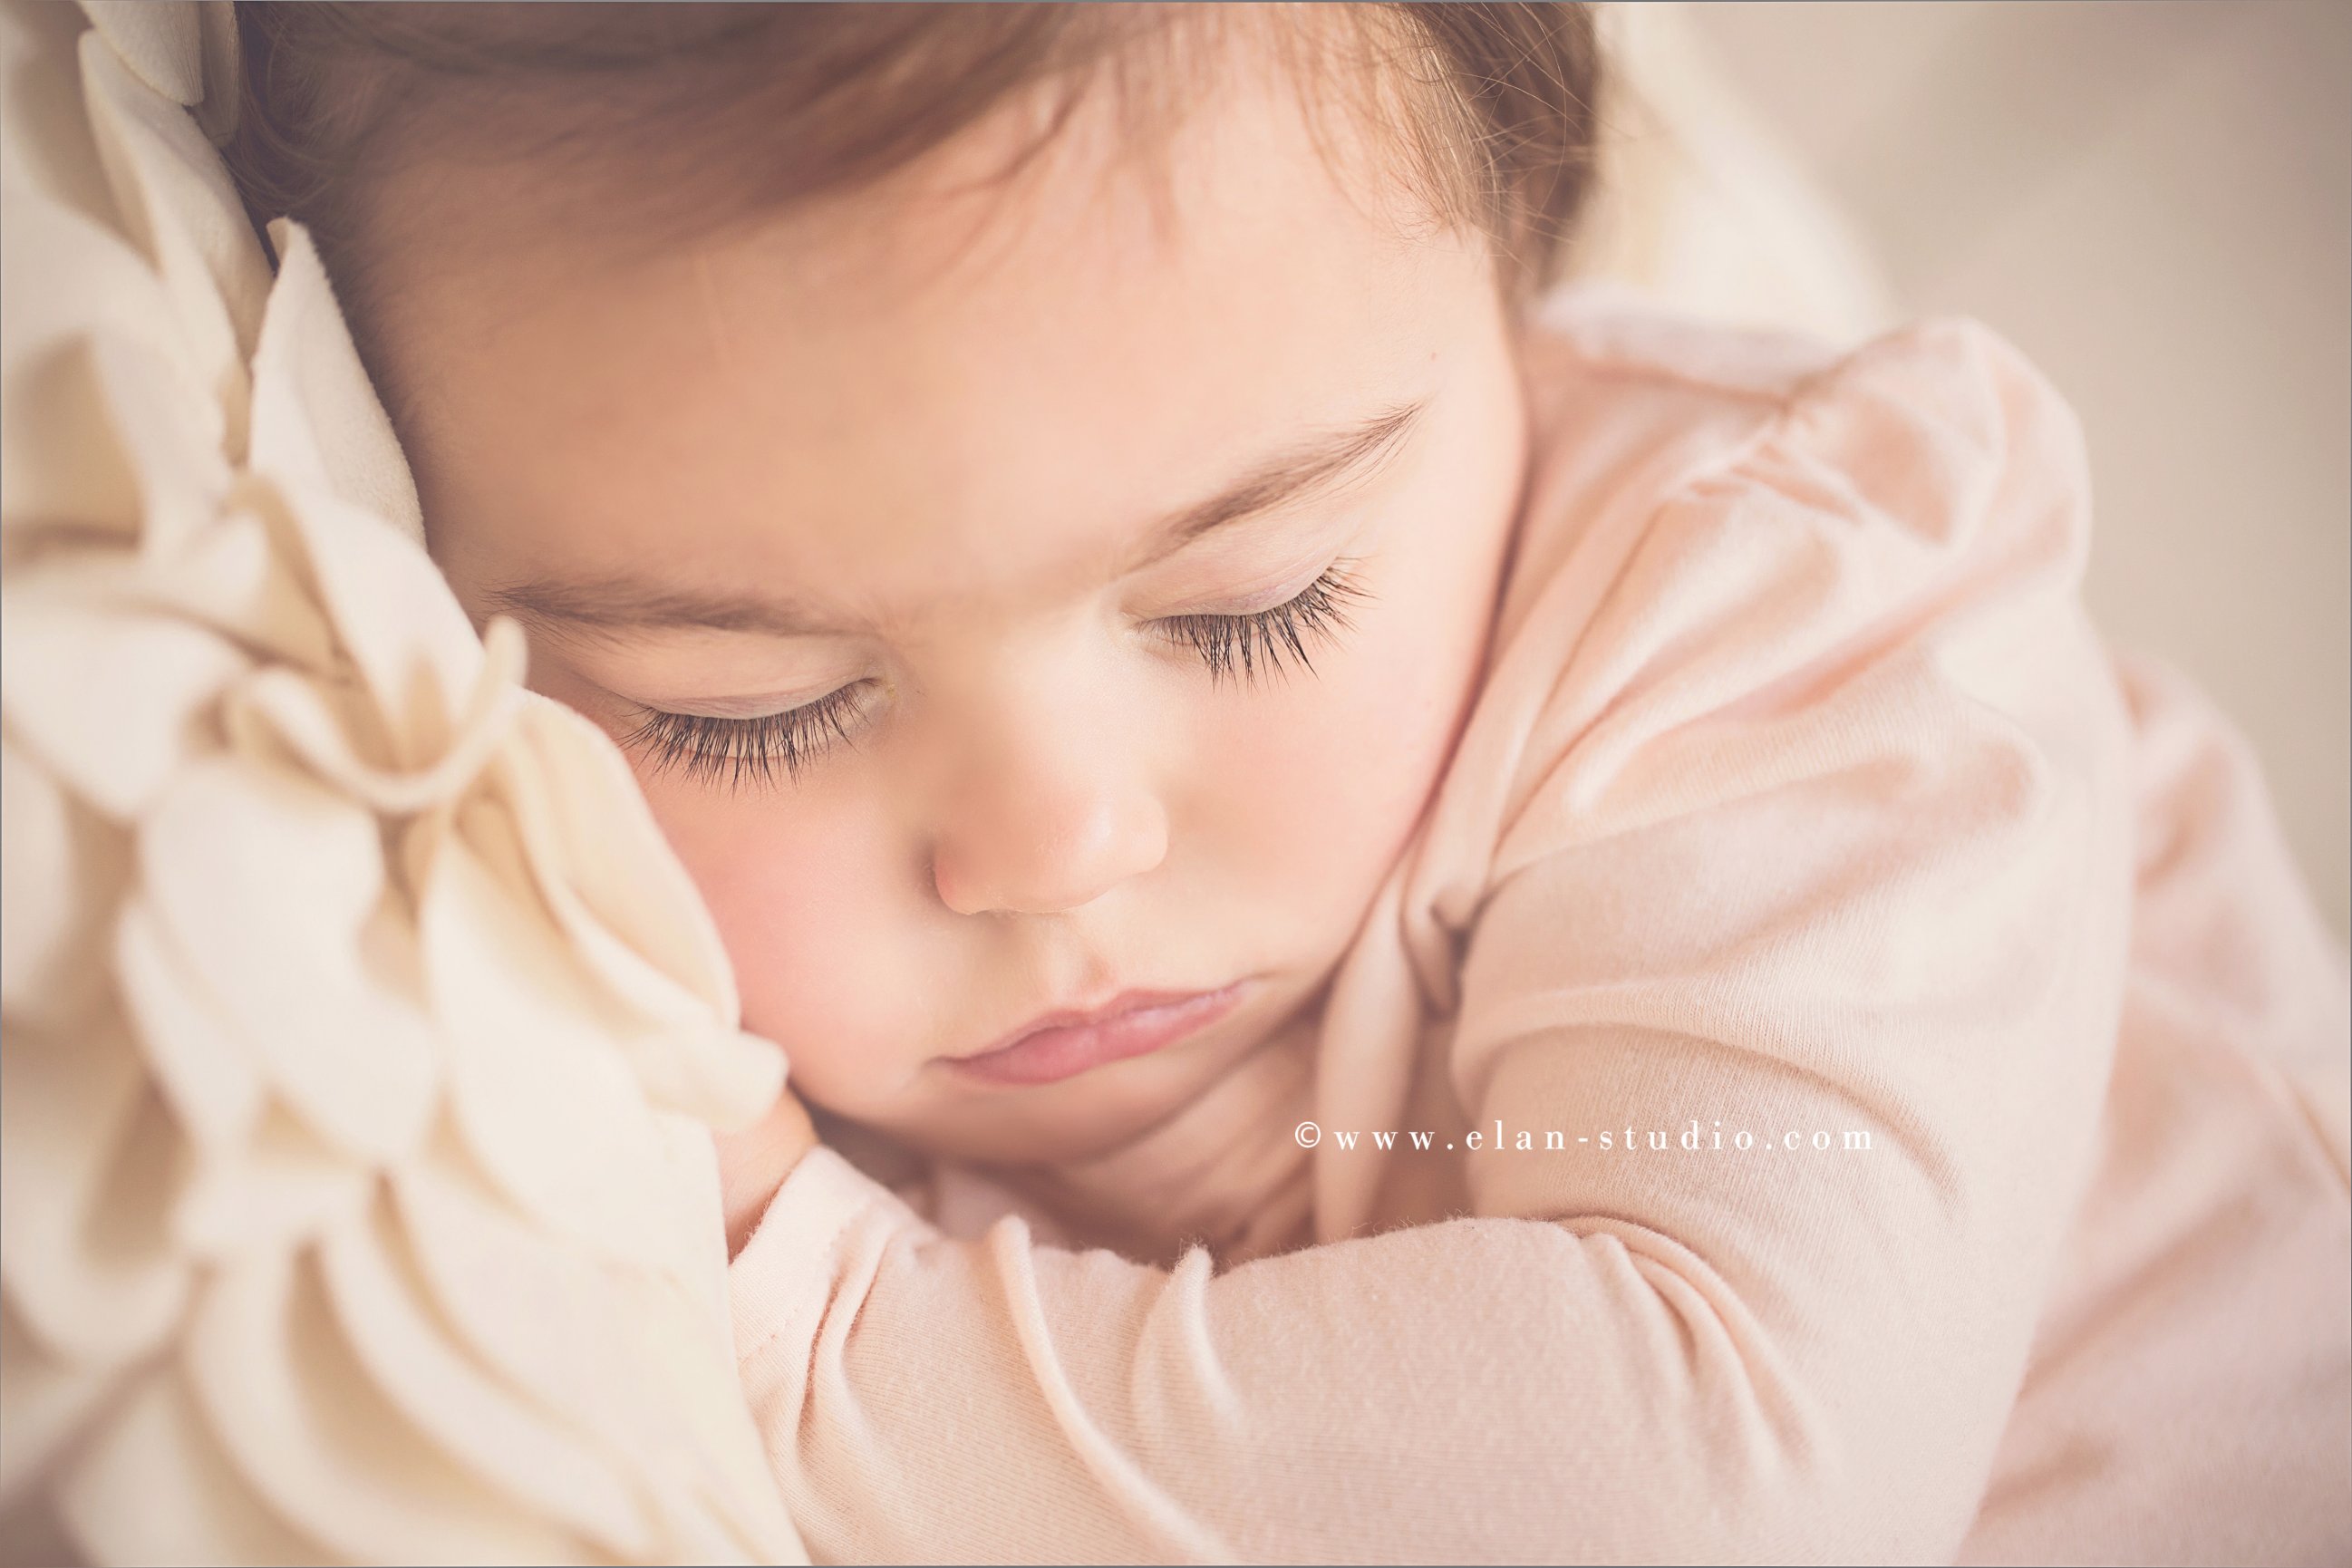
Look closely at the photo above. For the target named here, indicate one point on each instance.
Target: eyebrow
(1314, 467)
(621, 604)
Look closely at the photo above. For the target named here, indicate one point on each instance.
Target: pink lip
(1058, 1045)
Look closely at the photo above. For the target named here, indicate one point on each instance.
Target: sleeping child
(1425, 917)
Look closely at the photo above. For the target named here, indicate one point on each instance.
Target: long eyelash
(1272, 639)
(735, 751)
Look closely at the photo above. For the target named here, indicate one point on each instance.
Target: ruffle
(364, 1038)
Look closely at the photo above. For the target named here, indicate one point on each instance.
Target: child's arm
(1477, 1390)
(1813, 821)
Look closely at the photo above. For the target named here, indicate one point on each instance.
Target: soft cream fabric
(363, 1037)
(1800, 795)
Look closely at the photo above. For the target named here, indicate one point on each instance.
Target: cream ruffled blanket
(362, 1036)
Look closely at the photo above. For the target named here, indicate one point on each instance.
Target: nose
(1037, 829)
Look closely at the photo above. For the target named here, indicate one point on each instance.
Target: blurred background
(2154, 200)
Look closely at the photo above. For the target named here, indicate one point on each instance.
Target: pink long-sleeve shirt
(1800, 801)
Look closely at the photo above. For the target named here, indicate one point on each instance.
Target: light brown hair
(705, 114)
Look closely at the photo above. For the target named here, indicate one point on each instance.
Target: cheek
(1317, 792)
(807, 908)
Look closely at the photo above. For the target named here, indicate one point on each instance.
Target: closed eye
(735, 751)
(1269, 641)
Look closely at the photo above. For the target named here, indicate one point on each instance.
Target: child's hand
(753, 1164)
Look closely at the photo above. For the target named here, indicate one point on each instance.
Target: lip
(1061, 1045)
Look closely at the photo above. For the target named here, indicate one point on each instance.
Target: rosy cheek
(1339, 770)
(806, 908)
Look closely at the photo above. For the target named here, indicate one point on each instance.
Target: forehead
(922, 387)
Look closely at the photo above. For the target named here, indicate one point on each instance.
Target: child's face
(926, 498)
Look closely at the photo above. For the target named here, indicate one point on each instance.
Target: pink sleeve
(1817, 825)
